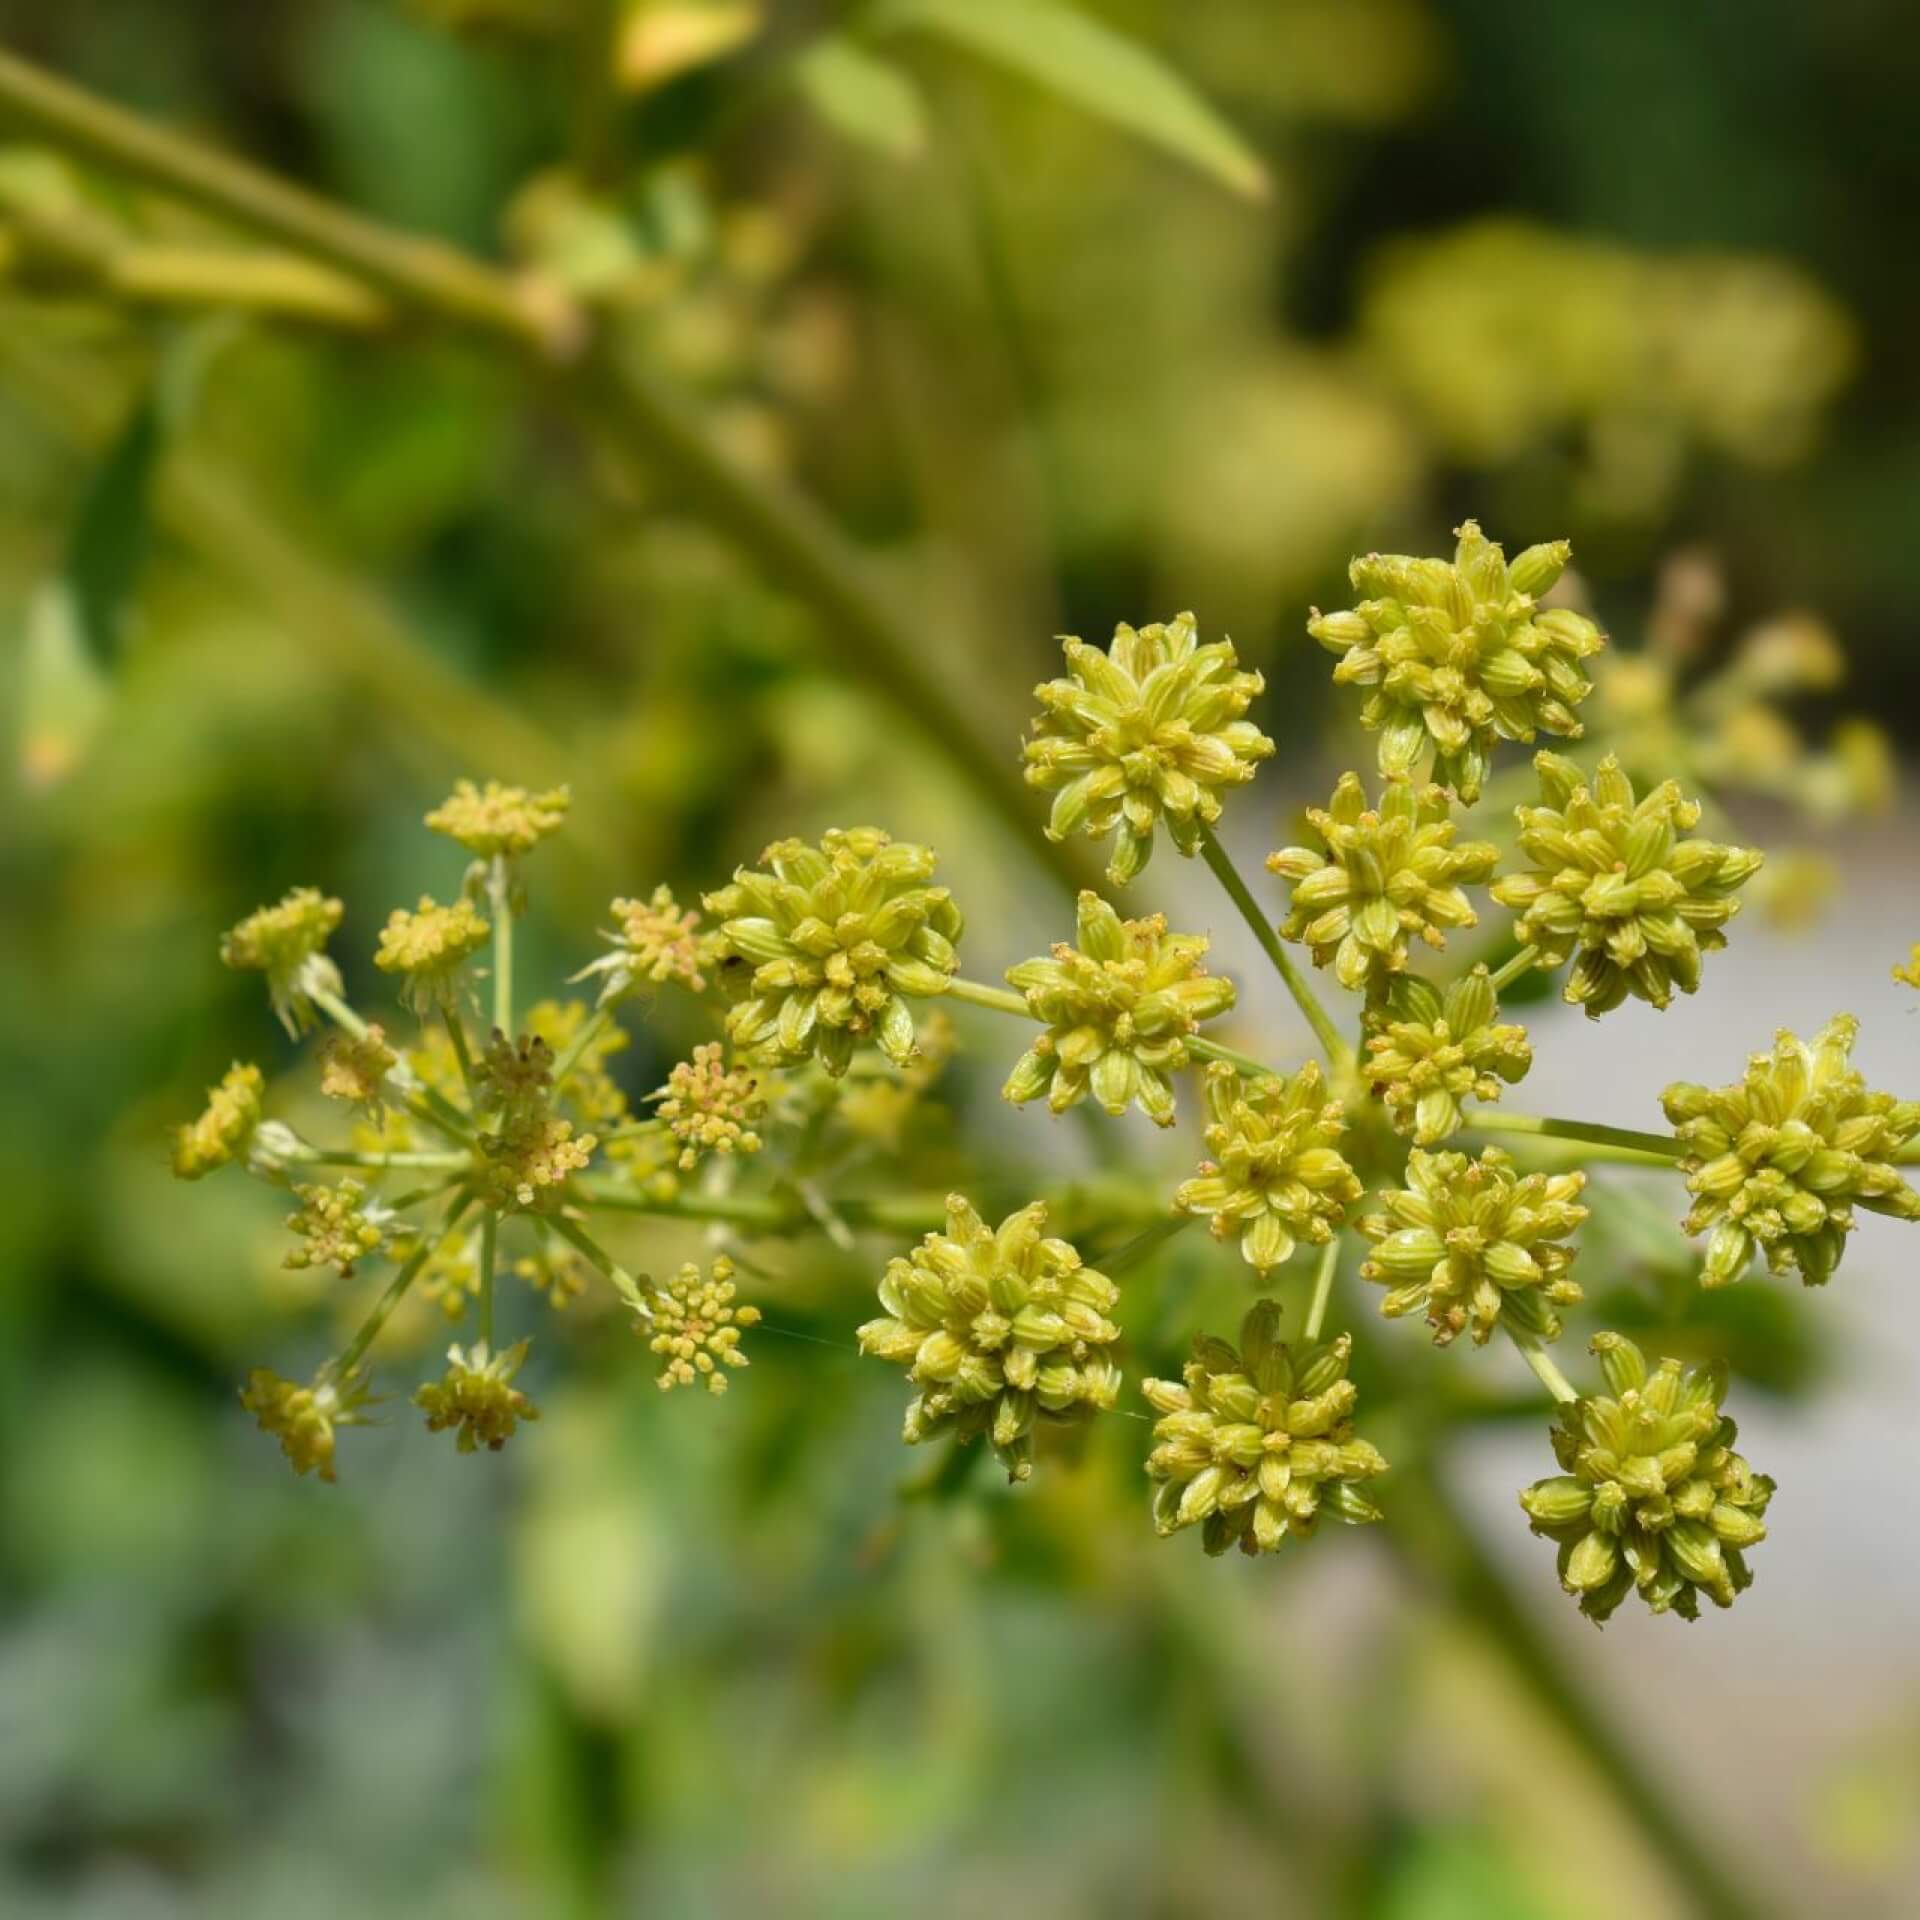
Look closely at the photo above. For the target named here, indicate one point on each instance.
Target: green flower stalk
(476, 1397)
(1276, 1175)
(306, 1419)
(1387, 872)
(225, 1130)
(829, 944)
(1428, 1052)
(998, 1331)
(1652, 1498)
(1474, 1245)
(497, 822)
(1118, 1009)
(1615, 881)
(429, 948)
(1778, 1162)
(1457, 656)
(1150, 731)
(1255, 1444)
(287, 942)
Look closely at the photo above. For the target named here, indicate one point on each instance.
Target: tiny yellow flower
(711, 1107)
(477, 1396)
(304, 1419)
(223, 1131)
(496, 821)
(336, 1228)
(354, 1068)
(696, 1327)
(287, 943)
(428, 947)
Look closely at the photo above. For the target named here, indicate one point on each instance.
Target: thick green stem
(997, 999)
(500, 908)
(1645, 1147)
(397, 1291)
(489, 1239)
(1144, 1245)
(1522, 962)
(1322, 1289)
(767, 1213)
(1202, 1048)
(457, 1037)
(1545, 1369)
(582, 1040)
(349, 1157)
(1332, 1043)
(603, 1263)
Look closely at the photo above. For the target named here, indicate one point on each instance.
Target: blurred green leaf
(63, 692)
(1087, 62)
(867, 99)
(111, 534)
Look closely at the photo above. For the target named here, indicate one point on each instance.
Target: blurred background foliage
(1062, 317)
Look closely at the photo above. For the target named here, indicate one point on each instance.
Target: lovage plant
(508, 1147)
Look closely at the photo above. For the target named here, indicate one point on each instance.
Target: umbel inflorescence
(479, 1136)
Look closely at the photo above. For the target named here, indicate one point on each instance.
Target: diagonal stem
(1332, 1042)
(1662, 1147)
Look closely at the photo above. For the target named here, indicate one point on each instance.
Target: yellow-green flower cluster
(1149, 731)
(335, 1226)
(354, 1067)
(529, 1159)
(657, 941)
(835, 940)
(1778, 1162)
(1473, 1244)
(696, 1327)
(1456, 655)
(477, 1397)
(1276, 1176)
(287, 943)
(1429, 1052)
(997, 1330)
(711, 1107)
(1118, 1010)
(1255, 1444)
(223, 1131)
(495, 821)
(428, 947)
(1615, 881)
(1387, 872)
(305, 1419)
(1652, 1497)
